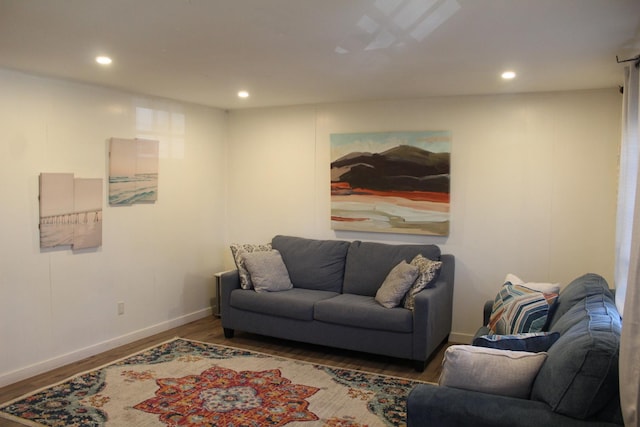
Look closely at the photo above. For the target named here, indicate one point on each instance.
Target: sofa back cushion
(580, 376)
(368, 264)
(578, 290)
(313, 264)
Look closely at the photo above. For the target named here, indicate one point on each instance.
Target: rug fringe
(21, 421)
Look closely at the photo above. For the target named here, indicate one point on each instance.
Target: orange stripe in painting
(342, 219)
(422, 196)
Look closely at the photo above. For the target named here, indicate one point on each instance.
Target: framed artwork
(133, 171)
(391, 182)
(70, 211)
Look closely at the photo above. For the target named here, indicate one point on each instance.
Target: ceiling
(288, 52)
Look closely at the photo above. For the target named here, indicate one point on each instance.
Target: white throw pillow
(547, 288)
(396, 284)
(267, 270)
(489, 370)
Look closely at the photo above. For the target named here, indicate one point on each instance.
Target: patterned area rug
(188, 383)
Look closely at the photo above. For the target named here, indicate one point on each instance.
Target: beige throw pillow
(267, 270)
(396, 284)
(490, 370)
(237, 250)
(428, 271)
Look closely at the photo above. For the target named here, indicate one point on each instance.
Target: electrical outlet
(121, 308)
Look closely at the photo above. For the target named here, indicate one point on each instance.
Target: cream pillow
(396, 284)
(547, 288)
(489, 370)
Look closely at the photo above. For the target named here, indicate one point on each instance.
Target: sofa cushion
(518, 309)
(534, 342)
(368, 264)
(361, 311)
(429, 271)
(313, 264)
(488, 370)
(295, 303)
(593, 304)
(268, 272)
(237, 250)
(580, 375)
(396, 284)
(577, 290)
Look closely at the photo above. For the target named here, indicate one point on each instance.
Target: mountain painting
(392, 182)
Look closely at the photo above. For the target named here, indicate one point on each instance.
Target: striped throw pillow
(518, 309)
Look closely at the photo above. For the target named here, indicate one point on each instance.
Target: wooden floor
(209, 330)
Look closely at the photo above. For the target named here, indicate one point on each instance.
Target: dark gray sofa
(332, 302)
(577, 384)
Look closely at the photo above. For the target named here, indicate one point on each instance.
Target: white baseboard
(460, 338)
(82, 353)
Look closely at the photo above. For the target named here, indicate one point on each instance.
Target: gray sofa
(577, 384)
(332, 299)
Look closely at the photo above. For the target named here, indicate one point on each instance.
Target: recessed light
(243, 94)
(508, 75)
(103, 60)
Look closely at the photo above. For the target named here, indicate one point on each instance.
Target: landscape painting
(70, 211)
(391, 182)
(133, 171)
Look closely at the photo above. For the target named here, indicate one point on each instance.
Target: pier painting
(133, 171)
(70, 211)
(391, 182)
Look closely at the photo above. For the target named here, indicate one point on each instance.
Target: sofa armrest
(486, 311)
(433, 405)
(229, 280)
(433, 312)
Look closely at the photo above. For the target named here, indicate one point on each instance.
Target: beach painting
(391, 182)
(70, 211)
(133, 171)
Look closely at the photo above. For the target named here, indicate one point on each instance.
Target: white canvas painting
(70, 211)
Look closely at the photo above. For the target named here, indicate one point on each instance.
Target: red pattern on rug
(224, 397)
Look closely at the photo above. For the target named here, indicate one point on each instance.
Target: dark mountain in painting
(402, 168)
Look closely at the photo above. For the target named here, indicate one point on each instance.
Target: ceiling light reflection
(103, 60)
(402, 22)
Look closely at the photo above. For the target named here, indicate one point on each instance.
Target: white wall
(58, 305)
(533, 193)
(533, 187)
